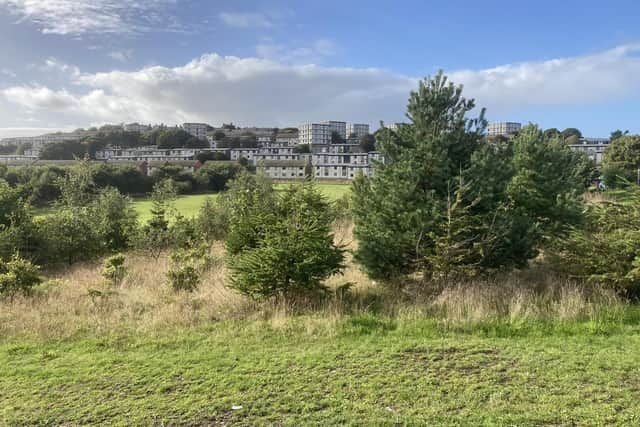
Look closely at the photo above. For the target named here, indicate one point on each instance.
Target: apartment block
(314, 133)
(593, 147)
(199, 130)
(357, 130)
(339, 127)
(503, 128)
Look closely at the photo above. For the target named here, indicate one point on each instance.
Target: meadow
(526, 348)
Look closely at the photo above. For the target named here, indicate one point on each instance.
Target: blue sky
(75, 63)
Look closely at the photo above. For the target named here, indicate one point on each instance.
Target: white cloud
(246, 20)
(8, 72)
(266, 92)
(89, 16)
(601, 77)
(121, 55)
(53, 64)
(307, 54)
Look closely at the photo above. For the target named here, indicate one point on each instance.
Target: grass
(368, 371)
(186, 205)
(527, 348)
(189, 205)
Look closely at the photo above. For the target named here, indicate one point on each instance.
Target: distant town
(331, 150)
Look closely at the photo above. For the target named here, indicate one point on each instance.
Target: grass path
(370, 372)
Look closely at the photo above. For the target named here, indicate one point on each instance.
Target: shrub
(183, 278)
(291, 250)
(68, 235)
(114, 219)
(212, 221)
(188, 264)
(18, 276)
(113, 269)
(215, 176)
(605, 249)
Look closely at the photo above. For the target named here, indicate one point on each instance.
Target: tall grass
(78, 301)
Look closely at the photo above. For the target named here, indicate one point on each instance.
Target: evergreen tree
(446, 202)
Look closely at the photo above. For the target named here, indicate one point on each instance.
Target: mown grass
(368, 370)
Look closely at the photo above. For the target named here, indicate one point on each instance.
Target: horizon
(76, 64)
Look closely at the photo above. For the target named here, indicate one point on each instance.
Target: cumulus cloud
(600, 77)
(89, 16)
(261, 91)
(246, 20)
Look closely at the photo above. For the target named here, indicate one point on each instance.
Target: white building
(343, 166)
(199, 130)
(593, 147)
(149, 154)
(287, 140)
(357, 130)
(314, 133)
(503, 128)
(282, 169)
(137, 127)
(339, 127)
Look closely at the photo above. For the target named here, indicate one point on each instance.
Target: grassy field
(526, 348)
(367, 371)
(190, 204)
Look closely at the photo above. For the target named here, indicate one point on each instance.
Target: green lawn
(186, 205)
(369, 371)
(189, 205)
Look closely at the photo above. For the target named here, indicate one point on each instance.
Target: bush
(188, 264)
(68, 235)
(183, 278)
(18, 276)
(212, 221)
(291, 250)
(114, 219)
(215, 176)
(113, 269)
(605, 249)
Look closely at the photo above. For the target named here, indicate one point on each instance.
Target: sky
(66, 64)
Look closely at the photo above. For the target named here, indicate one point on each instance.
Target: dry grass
(78, 301)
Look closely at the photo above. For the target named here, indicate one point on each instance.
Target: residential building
(199, 130)
(314, 133)
(137, 127)
(151, 153)
(357, 130)
(287, 139)
(339, 127)
(503, 128)
(343, 166)
(593, 147)
(282, 169)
